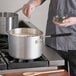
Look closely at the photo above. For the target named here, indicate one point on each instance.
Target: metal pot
(25, 43)
(8, 21)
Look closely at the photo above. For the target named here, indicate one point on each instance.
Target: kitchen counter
(55, 60)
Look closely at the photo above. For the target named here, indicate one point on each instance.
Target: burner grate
(3, 65)
(3, 41)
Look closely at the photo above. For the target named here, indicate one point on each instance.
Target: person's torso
(61, 8)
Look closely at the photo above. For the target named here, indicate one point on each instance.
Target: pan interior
(28, 32)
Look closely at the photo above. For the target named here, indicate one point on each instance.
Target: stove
(13, 63)
(48, 58)
(8, 62)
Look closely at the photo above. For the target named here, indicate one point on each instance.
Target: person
(65, 9)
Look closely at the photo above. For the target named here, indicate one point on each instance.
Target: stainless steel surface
(8, 21)
(53, 57)
(29, 70)
(25, 43)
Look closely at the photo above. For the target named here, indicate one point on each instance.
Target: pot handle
(58, 35)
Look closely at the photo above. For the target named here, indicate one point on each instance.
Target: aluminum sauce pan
(25, 43)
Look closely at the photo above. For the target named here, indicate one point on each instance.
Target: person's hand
(66, 22)
(29, 8)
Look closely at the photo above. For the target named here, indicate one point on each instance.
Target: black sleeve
(42, 1)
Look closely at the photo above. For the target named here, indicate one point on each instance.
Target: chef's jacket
(61, 8)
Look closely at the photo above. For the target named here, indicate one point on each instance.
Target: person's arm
(29, 7)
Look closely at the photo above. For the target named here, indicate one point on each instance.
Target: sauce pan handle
(59, 35)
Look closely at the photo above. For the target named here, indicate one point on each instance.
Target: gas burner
(7, 57)
(41, 58)
(13, 63)
(40, 62)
